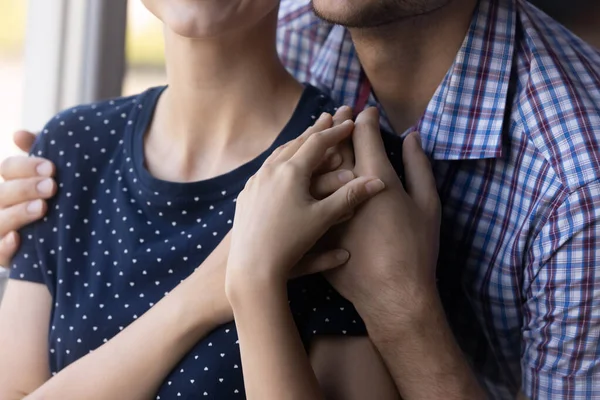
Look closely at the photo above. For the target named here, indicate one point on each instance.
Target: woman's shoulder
(86, 126)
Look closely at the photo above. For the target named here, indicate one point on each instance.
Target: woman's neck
(220, 100)
(406, 61)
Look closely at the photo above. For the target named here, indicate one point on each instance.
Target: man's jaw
(365, 14)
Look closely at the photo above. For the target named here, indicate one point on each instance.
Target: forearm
(134, 363)
(422, 355)
(275, 363)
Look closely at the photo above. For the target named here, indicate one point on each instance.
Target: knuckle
(25, 189)
(290, 169)
(301, 139)
(266, 170)
(280, 149)
(319, 136)
(317, 139)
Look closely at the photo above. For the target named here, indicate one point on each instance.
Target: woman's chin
(196, 29)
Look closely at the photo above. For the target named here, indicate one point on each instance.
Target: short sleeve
(26, 265)
(561, 327)
(320, 310)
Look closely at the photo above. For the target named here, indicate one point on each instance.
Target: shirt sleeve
(27, 265)
(561, 327)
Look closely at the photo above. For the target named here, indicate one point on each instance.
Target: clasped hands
(377, 244)
(381, 239)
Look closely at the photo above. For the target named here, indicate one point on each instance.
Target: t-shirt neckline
(219, 186)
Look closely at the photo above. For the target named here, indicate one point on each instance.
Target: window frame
(74, 54)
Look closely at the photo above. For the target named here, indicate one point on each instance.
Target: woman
(147, 190)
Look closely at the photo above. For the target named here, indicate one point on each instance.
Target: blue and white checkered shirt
(514, 135)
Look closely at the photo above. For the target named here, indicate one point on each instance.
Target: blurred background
(143, 66)
(58, 53)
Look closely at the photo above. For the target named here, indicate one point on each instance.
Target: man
(507, 104)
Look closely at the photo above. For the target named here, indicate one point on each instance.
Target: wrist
(205, 299)
(246, 289)
(390, 321)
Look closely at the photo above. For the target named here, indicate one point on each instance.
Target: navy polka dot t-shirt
(116, 240)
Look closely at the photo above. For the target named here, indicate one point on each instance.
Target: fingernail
(35, 207)
(345, 176)
(342, 109)
(45, 187)
(44, 168)
(322, 116)
(342, 255)
(375, 186)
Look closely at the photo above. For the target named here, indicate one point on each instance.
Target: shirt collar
(464, 119)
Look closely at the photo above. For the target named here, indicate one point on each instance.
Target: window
(145, 50)
(12, 33)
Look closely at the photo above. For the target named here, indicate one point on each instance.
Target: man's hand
(28, 183)
(390, 278)
(394, 237)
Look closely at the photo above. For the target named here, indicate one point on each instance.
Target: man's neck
(406, 61)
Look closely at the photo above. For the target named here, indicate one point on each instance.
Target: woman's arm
(277, 221)
(275, 361)
(134, 363)
(350, 368)
(130, 366)
(24, 324)
(273, 357)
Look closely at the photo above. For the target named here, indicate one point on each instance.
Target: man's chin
(372, 13)
(347, 13)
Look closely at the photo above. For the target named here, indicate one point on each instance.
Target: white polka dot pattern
(116, 240)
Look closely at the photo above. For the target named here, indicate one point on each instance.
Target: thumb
(368, 144)
(24, 140)
(420, 182)
(8, 247)
(315, 263)
(348, 197)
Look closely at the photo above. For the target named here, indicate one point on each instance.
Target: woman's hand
(277, 218)
(27, 185)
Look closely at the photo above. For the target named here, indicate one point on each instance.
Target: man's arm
(350, 368)
(27, 184)
(561, 326)
(411, 332)
(390, 278)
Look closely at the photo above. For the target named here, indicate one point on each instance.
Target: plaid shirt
(513, 132)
